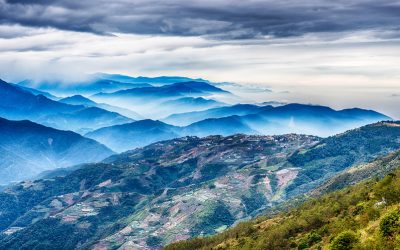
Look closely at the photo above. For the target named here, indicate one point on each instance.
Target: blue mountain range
(28, 148)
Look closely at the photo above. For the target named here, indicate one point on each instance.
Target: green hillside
(363, 216)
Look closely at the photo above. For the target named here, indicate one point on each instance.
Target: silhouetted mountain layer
(310, 119)
(78, 100)
(282, 116)
(137, 134)
(18, 104)
(28, 148)
(155, 81)
(184, 119)
(88, 118)
(38, 92)
(185, 104)
(159, 102)
(291, 118)
(141, 133)
(81, 100)
(88, 87)
(102, 82)
(179, 89)
(223, 126)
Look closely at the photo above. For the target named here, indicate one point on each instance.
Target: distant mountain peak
(135, 134)
(77, 97)
(146, 124)
(17, 103)
(198, 86)
(78, 100)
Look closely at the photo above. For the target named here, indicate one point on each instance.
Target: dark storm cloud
(220, 19)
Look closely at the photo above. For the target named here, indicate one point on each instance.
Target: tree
(390, 224)
(345, 241)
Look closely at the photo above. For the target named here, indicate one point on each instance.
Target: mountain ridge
(251, 112)
(17, 103)
(37, 148)
(173, 90)
(279, 122)
(81, 100)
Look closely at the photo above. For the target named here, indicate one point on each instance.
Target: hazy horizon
(342, 54)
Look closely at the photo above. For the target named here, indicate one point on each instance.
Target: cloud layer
(341, 53)
(218, 19)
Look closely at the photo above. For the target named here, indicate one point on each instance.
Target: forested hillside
(364, 216)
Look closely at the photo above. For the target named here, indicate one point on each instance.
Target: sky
(341, 53)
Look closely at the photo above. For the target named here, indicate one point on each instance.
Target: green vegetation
(390, 224)
(346, 240)
(364, 216)
(208, 220)
(84, 232)
(153, 241)
(339, 152)
(379, 168)
(253, 201)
